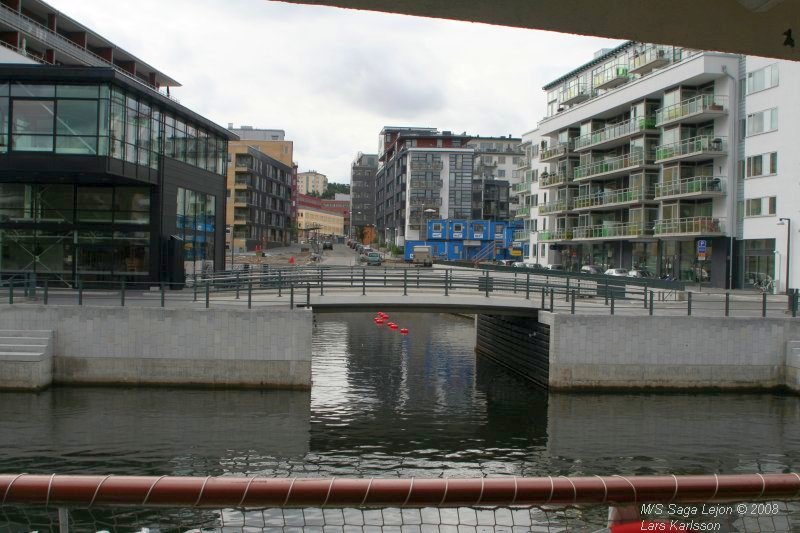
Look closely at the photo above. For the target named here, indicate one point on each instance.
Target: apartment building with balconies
(311, 182)
(259, 205)
(639, 168)
(678, 161)
(362, 193)
(423, 174)
(496, 158)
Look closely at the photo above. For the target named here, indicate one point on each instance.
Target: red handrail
(216, 492)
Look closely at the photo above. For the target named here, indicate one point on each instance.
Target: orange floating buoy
(404, 331)
(379, 322)
(393, 326)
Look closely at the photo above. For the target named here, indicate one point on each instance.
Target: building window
(501, 173)
(762, 165)
(458, 227)
(762, 122)
(756, 207)
(762, 79)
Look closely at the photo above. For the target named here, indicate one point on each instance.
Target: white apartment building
(496, 158)
(664, 158)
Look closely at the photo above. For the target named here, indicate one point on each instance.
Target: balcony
(614, 167)
(555, 207)
(613, 230)
(616, 198)
(615, 134)
(692, 149)
(652, 57)
(427, 166)
(523, 163)
(694, 187)
(611, 77)
(522, 187)
(425, 202)
(556, 235)
(700, 108)
(522, 235)
(679, 227)
(555, 179)
(559, 150)
(426, 184)
(523, 211)
(575, 94)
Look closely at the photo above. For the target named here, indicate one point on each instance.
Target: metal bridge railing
(755, 502)
(300, 287)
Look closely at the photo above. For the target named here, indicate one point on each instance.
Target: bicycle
(765, 285)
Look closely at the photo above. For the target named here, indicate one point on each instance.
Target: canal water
(385, 404)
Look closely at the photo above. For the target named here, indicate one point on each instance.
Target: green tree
(334, 188)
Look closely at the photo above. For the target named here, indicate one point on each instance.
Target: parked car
(555, 267)
(616, 272)
(374, 259)
(640, 273)
(505, 262)
(520, 264)
(591, 269)
(327, 245)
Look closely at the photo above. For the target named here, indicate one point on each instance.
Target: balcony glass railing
(558, 150)
(556, 235)
(523, 211)
(619, 196)
(610, 230)
(689, 226)
(522, 187)
(574, 93)
(426, 184)
(614, 164)
(427, 166)
(551, 180)
(691, 106)
(522, 235)
(649, 58)
(611, 77)
(615, 131)
(693, 185)
(555, 207)
(523, 162)
(694, 145)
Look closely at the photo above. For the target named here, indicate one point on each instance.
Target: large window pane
(55, 203)
(132, 252)
(16, 250)
(95, 252)
(4, 124)
(16, 200)
(117, 130)
(55, 252)
(76, 91)
(33, 116)
(76, 145)
(132, 205)
(23, 89)
(94, 204)
(76, 117)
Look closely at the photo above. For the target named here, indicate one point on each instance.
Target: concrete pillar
(50, 56)
(52, 20)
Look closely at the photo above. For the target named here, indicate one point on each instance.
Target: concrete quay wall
(622, 352)
(263, 348)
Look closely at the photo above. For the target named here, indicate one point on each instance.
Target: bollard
(552, 293)
(208, 293)
(237, 285)
(418, 278)
(46, 283)
(321, 283)
(308, 295)
(194, 288)
(606, 292)
(122, 293)
(405, 282)
(487, 284)
(352, 281)
(527, 286)
(80, 292)
(566, 290)
(363, 282)
(689, 304)
(651, 303)
(162, 295)
(515, 283)
(644, 293)
(794, 304)
(291, 296)
(446, 289)
(612, 304)
(727, 304)
(249, 293)
(542, 306)
(280, 284)
(572, 305)
(10, 291)
(384, 276)
(763, 305)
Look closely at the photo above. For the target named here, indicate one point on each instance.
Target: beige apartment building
(311, 182)
(317, 221)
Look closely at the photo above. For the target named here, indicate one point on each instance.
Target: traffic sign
(701, 247)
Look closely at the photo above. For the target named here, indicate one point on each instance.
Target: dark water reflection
(383, 404)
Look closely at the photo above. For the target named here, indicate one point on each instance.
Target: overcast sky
(332, 78)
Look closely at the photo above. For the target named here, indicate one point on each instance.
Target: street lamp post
(788, 224)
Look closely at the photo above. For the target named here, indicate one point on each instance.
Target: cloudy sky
(332, 78)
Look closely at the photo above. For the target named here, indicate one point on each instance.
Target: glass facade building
(102, 178)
